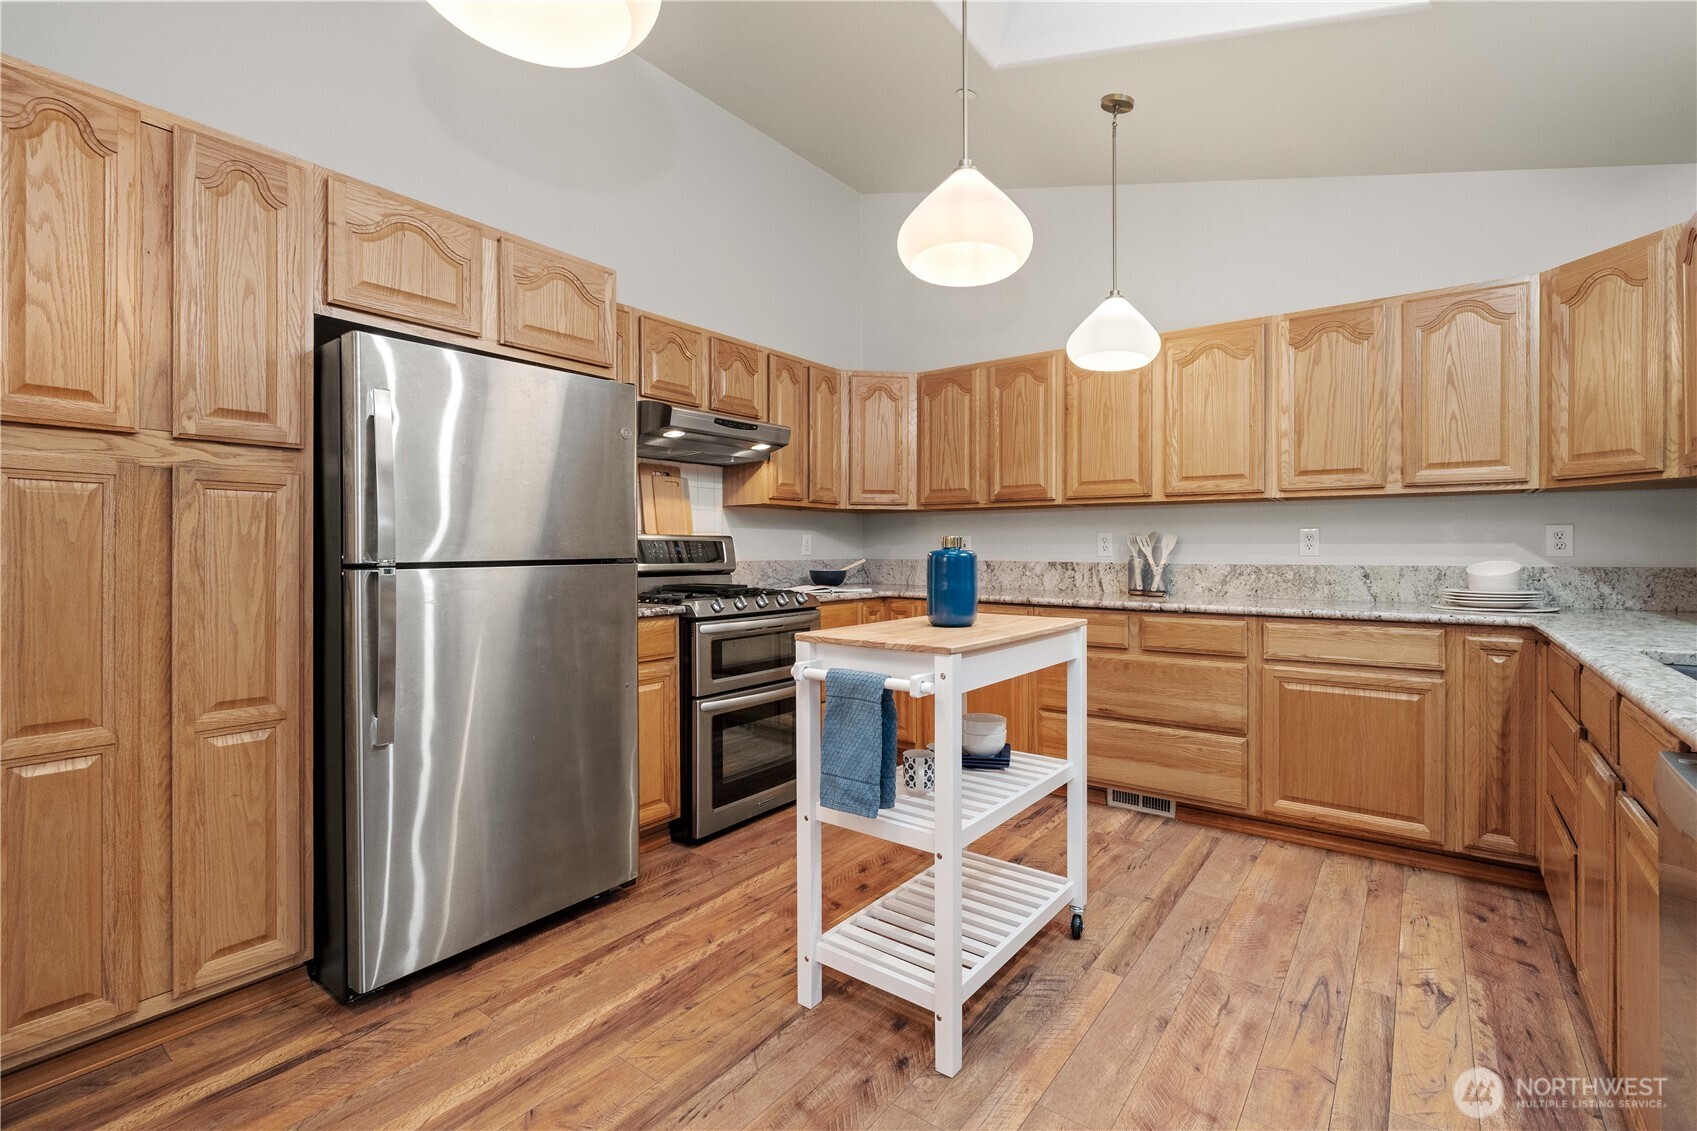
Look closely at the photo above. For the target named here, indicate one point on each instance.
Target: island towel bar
(918, 686)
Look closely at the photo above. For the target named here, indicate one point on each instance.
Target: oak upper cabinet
(1469, 394)
(1594, 933)
(1212, 385)
(657, 721)
(1494, 743)
(1023, 425)
(880, 439)
(787, 404)
(1638, 957)
(1687, 254)
(1604, 360)
(672, 362)
(556, 304)
(1334, 388)
(736, 378)
(1108, 434)
(624, 350)
(72, 253)
(242, 235)
(237, 775)
(825, 439)
(393, 256)
(950, 437)
(1357, 751)
(68, 759)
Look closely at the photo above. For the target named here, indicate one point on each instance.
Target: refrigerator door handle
(383, 480)
(383, 697)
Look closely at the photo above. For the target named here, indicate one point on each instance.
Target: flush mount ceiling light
(554, 33)
(967, 232)
(1115, 337)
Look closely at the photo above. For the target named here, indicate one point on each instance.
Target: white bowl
(1494, 577)
(984, 743)
(983, 723)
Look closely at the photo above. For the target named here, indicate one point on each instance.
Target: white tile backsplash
(706, 487)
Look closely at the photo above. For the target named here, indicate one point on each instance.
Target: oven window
(752, 749)
(751, 655)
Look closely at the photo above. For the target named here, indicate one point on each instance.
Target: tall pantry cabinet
(154, 594)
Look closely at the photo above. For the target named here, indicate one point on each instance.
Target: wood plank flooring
(1223, 980)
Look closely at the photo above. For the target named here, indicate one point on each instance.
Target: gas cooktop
(706, 599)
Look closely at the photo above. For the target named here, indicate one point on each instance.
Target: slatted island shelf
(976, 909)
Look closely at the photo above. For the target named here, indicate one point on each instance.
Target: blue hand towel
(857, 765)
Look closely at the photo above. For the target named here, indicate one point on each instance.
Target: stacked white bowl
(983, 733)
(1494, 577)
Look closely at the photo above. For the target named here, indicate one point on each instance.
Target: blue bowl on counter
(827, 576)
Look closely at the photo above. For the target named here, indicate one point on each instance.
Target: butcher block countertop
(918, 634)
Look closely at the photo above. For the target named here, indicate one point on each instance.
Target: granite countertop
(646, 610)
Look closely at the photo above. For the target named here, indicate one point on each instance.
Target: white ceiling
(866, 89)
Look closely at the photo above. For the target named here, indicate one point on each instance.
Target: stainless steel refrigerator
(476, 648)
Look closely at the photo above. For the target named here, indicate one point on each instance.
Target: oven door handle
(762, 626)
(752, 699)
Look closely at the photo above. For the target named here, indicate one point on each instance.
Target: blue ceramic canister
(951, 587)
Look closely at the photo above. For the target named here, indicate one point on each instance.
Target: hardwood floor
(1223, 980)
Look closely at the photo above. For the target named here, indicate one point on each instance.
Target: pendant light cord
(965, 93)
(1114, 204)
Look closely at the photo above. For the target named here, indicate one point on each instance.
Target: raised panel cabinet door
(241, 230)
(1024, 426)
(786, 404)
(394, 256)
(1468, 390)
(736, 383)
(658, 754)
(237, 765)
(1495, 743)
(880, 432)
(1638, 957)
(826, 422)
(1558, 863)
(1334, 391)
(1604, 362)
(671, 362)
(69, 774)
(950, 437)
(1108, 441)
(1358, 751)
(556, 303)
(1595, 896)
(72, 253)
(624, 331)
(1213, 383)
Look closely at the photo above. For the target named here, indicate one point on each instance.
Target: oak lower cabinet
(1493, 740)
(659, 791)
(1593, 939)
(915, 718)
(1359, 751)
(1638, 962)
(880, 439)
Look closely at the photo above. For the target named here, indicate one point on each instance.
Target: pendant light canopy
(967, 232)
(1115, 337)
(554, 33)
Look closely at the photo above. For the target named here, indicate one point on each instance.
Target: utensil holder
(1157, 587)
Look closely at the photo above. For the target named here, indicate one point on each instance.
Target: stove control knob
(739, 603)
(717, 606)
(801, 598)
(761, 601)
(783, 599)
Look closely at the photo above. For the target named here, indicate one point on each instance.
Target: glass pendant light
(1115, 337)
(554, 33)
(967, 232)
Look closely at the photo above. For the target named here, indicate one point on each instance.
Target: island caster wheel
(1078, 924)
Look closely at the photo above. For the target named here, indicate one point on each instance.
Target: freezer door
(507, 789)
(456, 457)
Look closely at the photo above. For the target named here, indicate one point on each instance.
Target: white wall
(1644, 527)
(704, 218)
(1192, 254)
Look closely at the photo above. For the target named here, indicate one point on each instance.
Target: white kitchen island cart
(976, 910)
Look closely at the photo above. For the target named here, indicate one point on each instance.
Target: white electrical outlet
(1308, 542)
(1104, 544)
(807, 545)
(1558, 540)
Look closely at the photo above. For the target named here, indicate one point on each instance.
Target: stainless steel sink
(1689, 670)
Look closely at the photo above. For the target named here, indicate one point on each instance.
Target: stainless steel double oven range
(737, 644)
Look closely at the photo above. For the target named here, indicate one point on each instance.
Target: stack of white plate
(1494, 587)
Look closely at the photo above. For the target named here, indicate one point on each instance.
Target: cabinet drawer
(1185, 693)
(1641, 741)
(1206, 636)
(1560, 786)
(1597, 706)
(1187, 764)
(839, 614)
(1106, 629)
(656, 638)
(1375, 645)
(1011, 610)
(1561, 673)
(1561, 736)
(1558, 860)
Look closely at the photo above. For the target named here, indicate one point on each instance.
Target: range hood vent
(683, 435)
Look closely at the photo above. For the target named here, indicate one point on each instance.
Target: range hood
(684, 435)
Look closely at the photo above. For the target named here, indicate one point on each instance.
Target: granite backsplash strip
(1646, 589)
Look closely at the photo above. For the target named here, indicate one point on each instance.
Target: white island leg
(1078, 789)
(808, 847)
(947, 893)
